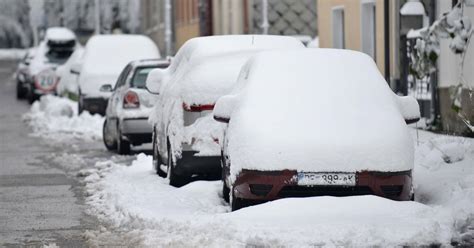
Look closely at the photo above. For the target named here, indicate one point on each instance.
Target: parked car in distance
(104, 58)
(186, 137)
(56, 48)
(298, 127)
(126, 119)
(23, 74)
(67, 85)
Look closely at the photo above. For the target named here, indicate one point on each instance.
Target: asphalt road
(41, 201)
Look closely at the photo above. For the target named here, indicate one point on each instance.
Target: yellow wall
(185, 32)
(352, 23)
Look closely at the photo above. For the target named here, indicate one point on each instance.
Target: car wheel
(225, 192)
(156, 157)
(20, 91)
(108, 139)
(237, 203)
(123, 146)
(175, 179)
(32, 97)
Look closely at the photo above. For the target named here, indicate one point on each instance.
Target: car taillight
(131, 100)
(197, 108)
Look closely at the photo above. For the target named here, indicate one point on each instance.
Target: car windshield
(139, 78)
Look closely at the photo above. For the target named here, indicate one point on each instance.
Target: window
(338, 29)
(368, 28)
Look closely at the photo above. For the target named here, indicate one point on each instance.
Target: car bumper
(94, 105)
(137, 130)
(190, 164)
(271, 185)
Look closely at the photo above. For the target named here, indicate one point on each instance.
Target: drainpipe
(386, 13)
(168, 28)
(97, 16)
(265, 23)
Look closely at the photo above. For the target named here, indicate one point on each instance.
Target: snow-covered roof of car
(317, 109)
(213, 63)
(214, 45)
(109, 54)
(59, 34)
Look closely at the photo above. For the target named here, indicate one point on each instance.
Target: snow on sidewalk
(136, 199)
(57, 118)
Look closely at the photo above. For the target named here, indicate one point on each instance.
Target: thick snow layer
(204, 69)
(59, 34)
(67, 80)
(296, 110)
(56, 118)
(314, 43)
(134, 198)
(107, 55)
(12, 54)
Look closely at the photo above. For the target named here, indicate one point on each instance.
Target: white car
(23, 74)
(315, 122)
(126, 120)
(67, 85)
(56, 48)
(104, 58)
(186, 138)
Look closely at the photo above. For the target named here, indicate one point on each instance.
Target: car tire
(110, 144)
(156, 157)
(32, 97)
(20, 91)
(123, 146)
(237, 203)
(225, 192)
(175, 179)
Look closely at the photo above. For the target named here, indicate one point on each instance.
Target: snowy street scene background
(256, 123)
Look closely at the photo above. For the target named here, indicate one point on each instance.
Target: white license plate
(326, 178)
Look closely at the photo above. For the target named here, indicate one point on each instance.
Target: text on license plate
(324, 178)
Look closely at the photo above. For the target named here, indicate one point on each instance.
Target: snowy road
(42, 202)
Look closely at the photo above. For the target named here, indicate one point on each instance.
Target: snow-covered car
(126, 119)
(186, 138)
(67, 85)
(23, 75)
(56, 48)
(104, 58)
(298, 127)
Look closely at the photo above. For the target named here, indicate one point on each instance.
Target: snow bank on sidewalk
(135, 198)
(12, 54)
(57, 118)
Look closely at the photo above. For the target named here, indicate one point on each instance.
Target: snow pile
(59, 34)
(12, 54)
(55, 117)
(135, 198)
(325, 120)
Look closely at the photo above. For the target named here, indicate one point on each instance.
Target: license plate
(326, 178)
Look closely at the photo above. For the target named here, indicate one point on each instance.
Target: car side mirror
(75, 69)
(224, 107)
(106, 88)
(410, 109)
(154, 81)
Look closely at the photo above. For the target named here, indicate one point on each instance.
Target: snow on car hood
(321, 110)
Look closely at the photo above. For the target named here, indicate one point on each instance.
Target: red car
(314, 123)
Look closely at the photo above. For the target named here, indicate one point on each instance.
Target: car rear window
(139, 78)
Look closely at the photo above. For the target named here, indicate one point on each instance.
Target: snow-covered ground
(135, 199)
(12, 54)
(57, 118)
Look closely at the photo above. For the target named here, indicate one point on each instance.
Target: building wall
(449, 71)
(229, 17)
(186, 20)
(352, 23)
(153, 21)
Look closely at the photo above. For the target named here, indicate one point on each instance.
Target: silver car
(126, 119)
